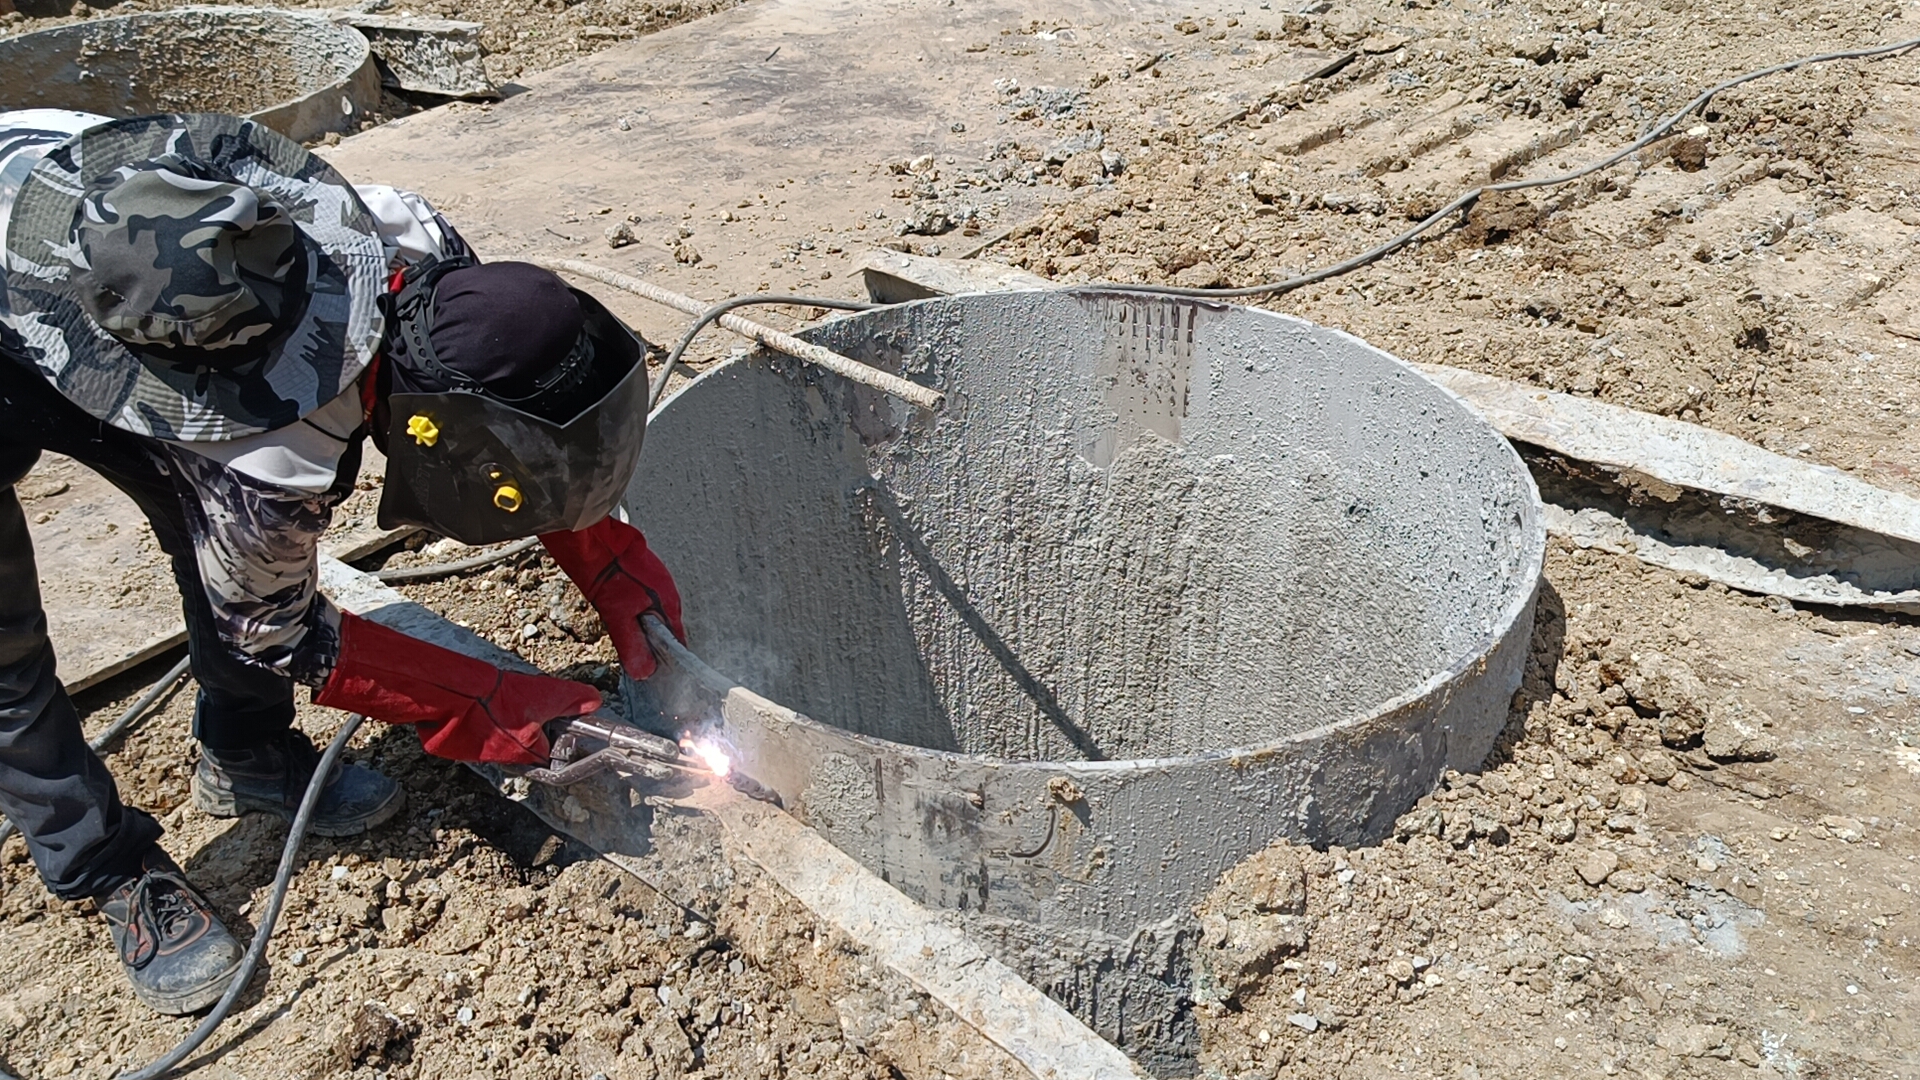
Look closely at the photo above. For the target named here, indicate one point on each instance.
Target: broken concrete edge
(1671, 451)
(1664, 545)
(1679, 453)
(908, 939)
(1689, 456)
(363, 21)
(433, 56)
(160, 643)
(892, 277)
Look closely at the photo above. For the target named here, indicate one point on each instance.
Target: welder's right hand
(464, 709)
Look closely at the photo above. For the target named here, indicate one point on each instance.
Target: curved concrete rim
(1519, 607)
(303, 117)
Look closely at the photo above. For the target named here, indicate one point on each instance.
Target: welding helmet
(508, 405)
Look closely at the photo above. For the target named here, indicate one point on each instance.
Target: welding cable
(708, 316)
(134, 714)
(458, 566)
(283, 878)
(1465, 201)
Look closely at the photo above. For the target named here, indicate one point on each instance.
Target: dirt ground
(465, 939)
(1694, 854)
(1697, 858)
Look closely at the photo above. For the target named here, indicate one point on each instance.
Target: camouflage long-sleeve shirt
(256, 506)
(261, 503)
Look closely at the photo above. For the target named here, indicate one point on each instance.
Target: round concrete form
(298, 73)
(1164, 581)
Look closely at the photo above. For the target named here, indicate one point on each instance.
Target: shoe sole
(226, 804)
(198, 999)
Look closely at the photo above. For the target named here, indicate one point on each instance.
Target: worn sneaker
(178, 956)
(274, 777)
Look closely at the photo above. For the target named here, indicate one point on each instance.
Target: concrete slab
(105, 584)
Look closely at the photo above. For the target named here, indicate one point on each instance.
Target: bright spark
(709, 754)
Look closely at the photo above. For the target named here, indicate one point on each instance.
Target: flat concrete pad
(105, 584)
(781, 115)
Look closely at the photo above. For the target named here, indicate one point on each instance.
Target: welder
(213, 318)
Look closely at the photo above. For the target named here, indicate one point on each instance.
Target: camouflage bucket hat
(195, 278)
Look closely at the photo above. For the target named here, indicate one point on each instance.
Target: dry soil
(1693, 855)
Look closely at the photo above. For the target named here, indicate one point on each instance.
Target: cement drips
(1163, 581)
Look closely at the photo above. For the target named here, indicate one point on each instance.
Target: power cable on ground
(438, 570)
(1466, 200)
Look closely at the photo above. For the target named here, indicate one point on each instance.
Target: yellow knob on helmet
(423, 429)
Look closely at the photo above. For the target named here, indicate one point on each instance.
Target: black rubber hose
(438, 570)
(263, 933)
(135, 712)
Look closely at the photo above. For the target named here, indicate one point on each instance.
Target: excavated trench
(1162, 582)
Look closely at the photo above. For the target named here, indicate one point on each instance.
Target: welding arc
(263, 932)
(134, 714)
(1466, 200)
(713, 313)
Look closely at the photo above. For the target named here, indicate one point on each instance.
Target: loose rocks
(1594, 867)
(1668, 687)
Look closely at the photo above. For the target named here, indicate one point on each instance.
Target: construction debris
(892, 277)
(429, 56)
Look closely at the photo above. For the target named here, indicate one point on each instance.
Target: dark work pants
(55, 789)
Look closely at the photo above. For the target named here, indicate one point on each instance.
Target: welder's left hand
(623, 580)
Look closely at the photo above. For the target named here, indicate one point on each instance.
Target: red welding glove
(623, 580)
(464, 709)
